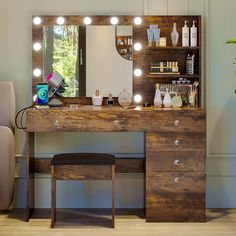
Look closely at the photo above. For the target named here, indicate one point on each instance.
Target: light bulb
(87, 20)
(114, 20)
(37, 20)
(37, 72)
(138, 98)
(137, 20)
(138, 72)
(37, 46)
(137, 46)
(60, 20)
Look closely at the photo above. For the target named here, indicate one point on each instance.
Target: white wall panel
(178, 7)
(155, 7)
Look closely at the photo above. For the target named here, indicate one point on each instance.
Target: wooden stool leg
(113, 196)
(53, 198)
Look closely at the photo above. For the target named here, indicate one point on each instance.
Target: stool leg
(53, 198)
(113, 196)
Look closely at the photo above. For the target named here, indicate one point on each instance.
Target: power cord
(21, 113)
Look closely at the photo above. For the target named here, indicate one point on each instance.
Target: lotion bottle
(193, 34)
(185, 35)
(167, 99)
(157, 98)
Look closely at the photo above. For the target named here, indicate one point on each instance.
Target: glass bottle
(157, 98)
(167, 99)
(174, 36)
(124, 99)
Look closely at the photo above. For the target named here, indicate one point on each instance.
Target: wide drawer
(172, 141)
(115, 121)
(175, 161)
(55, 120)
(180, 120)
(175, 183)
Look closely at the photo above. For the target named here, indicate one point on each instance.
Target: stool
(81, 166)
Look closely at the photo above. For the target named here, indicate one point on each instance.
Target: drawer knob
(176, 162)
(176, 123)
(176, 179)
(56, 122)
(116, 122)
(176, 142)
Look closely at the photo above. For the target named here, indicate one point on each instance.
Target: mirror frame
(37, 37)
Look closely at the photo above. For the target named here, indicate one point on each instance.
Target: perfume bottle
(110, 100)
(157, 98)
(174, 36)
(167, 99)
(124, 99)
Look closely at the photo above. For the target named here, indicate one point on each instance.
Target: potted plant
(232, 40)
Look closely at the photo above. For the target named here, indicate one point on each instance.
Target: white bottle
(157, 98)
(185, 35)
(193, 33)
(167, 99)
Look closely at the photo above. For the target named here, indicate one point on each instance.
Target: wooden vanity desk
(175, 141)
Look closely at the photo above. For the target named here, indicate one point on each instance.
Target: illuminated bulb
(114, 20)
(37, 20)
(137, 46)
(60, 20)
(37, 46)
(87, 20)
(138, 98)
(137, 20)
(137, 72)
(35, 98)
(37, 72)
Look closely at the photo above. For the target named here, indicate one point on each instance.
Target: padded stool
(81, 166)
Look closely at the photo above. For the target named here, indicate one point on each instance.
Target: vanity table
(174, 145)
(174, 140)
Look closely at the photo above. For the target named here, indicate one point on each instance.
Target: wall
(15, 41)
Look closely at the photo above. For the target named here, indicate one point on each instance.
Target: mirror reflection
(89, 58)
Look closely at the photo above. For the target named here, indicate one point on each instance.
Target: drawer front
(175, 142)
(55, 120)
(181, 121)
(175, 183)
(175, 161)
(115, 121)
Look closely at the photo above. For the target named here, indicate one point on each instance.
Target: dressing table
(175, 138)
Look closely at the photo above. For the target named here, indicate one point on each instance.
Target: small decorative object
(174, 36)
(110, 100)
(157, 98)
(162, 42)
(124, 99)
(97, 99)
(167, 99)
(176, 101)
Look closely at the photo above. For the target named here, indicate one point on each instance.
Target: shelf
(171, 76)
(124, 46)
(171, 48)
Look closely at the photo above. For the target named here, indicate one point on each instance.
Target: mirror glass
(89, 58)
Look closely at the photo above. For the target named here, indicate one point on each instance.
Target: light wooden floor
(219, 222)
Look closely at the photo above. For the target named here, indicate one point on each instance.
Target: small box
(162, 42)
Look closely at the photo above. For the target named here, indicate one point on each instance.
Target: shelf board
(171, 76)
(171, 48)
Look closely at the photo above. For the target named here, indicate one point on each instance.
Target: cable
(21, 112)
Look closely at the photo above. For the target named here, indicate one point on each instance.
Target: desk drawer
(175, 161)
(175, 141)
(55, 120)
(115, 121)
(181, 121)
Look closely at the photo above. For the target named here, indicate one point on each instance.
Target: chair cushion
(83, 159)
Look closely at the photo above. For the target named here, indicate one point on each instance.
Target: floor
(219, 222)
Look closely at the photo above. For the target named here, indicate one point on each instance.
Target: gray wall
(218, 78)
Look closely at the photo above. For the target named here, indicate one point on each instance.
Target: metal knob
(176, 142)
(116, 122)
(176, 162)
(56, 122)
(176, 179)
(176, 123)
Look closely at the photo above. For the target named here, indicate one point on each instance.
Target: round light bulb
(35, 98)
(138, 72)
(37, 72)
(138, 98)
(137, 46)
(114, 20)
(137, 20)
(60, 20)
(37, 46)
(37, 20)
(87, 20)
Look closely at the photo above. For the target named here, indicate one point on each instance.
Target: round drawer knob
(176, 179)
(176, 142)
(176, 162)
(56, 122)
(116, 122)
(176, 123)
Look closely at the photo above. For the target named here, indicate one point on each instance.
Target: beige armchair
(7, 158)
